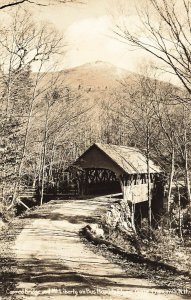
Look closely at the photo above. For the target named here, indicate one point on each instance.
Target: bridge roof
(124, 159)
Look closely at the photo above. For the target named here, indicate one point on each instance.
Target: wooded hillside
(49, 118)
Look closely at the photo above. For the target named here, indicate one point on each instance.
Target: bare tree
(22, 45)
(57, 115)
(166, 34)
(141, 119)
(183, 141)
(9, 3)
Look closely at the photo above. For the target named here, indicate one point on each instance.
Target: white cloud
(92, 39)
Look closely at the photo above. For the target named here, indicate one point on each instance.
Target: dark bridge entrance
(98, 181)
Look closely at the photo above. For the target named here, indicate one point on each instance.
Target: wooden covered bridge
(109, 169)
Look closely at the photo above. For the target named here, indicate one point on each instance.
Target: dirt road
(54, 263)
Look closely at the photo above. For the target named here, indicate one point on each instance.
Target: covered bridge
(109, 169)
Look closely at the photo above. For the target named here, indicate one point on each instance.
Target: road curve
(54, 263)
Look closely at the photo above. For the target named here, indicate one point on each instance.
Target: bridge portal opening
(98, 181)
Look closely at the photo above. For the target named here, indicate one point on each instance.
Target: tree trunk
(171, 176)
(34, 178)
(44, 155)
(52, 162)
(179, 213)
(133, 215)
(10, 79)
(148, 181)
(187, 177)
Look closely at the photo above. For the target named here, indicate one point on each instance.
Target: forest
(47, 122)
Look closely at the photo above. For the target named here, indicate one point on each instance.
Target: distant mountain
(97, 75)
(95, 82)
(98, 78)
(96, 85)
(99, 83)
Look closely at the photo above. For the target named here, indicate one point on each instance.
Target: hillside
(98, 75)
(96, 85)
(94, 78)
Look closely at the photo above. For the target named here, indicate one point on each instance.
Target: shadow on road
(50, 274)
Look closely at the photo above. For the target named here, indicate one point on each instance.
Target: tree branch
(14, 3)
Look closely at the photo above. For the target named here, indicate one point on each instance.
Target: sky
(88, 33)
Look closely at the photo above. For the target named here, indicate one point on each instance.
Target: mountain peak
(97, 74)
(102, 64)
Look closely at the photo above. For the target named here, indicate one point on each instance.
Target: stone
(96, 230)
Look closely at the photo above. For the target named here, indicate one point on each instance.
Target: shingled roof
(130, 160)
